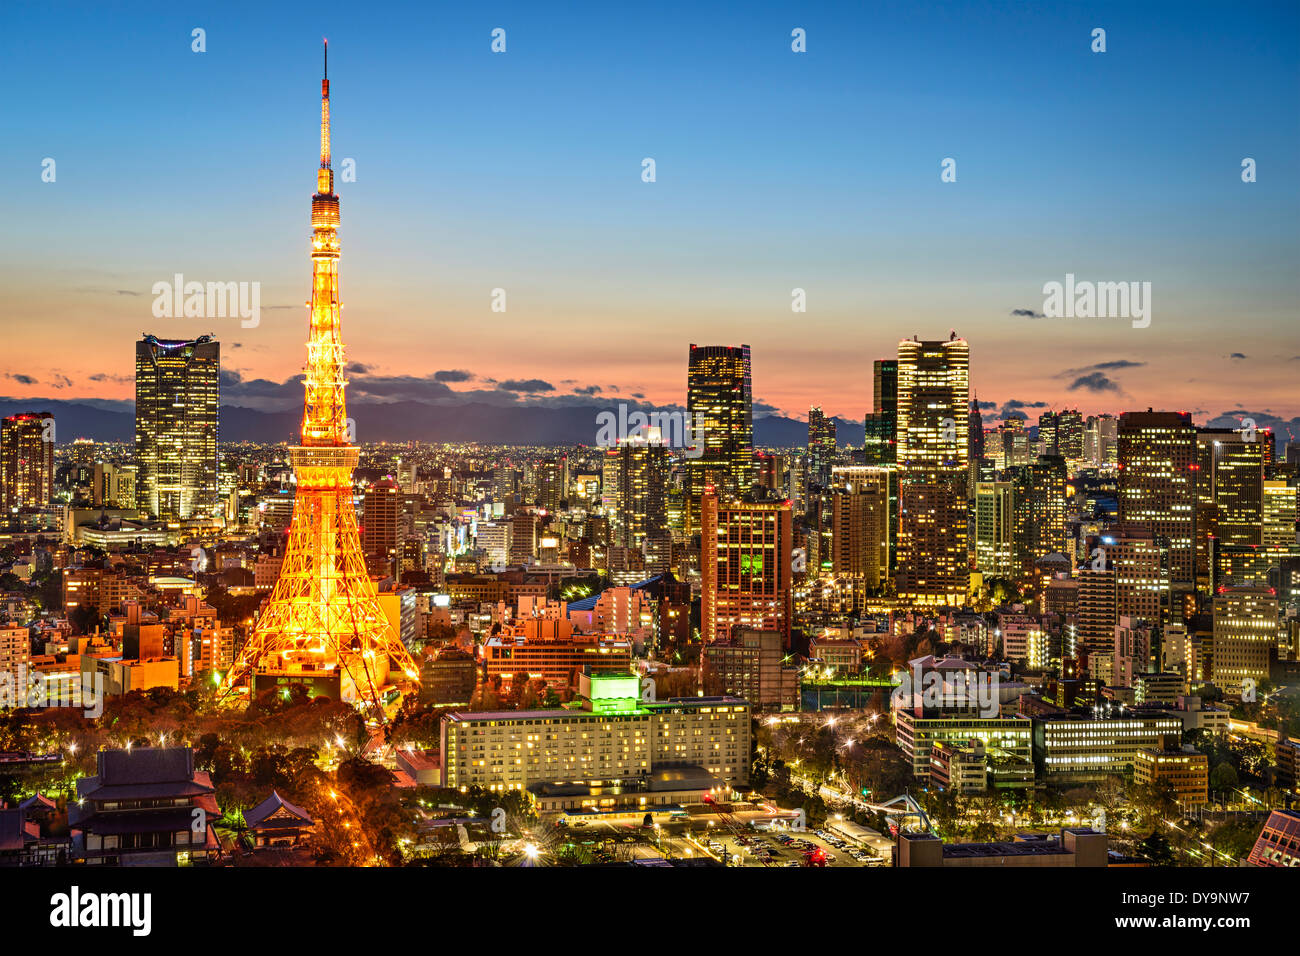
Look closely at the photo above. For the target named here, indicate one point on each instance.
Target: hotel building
(616, 745)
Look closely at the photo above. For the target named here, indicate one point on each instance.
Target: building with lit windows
(881, 436)
(1245, 636)
(933, 563)
(548, 650)
(27, 460)
(177, 399)
(751, 665)
(860, 524)
(141, 808)
(918, 736)
(933, 450)
(745, 567)
(962, 769)
(1157, 481)
(1101, 441)
(1038, 508)
(634, 488)
(719, 403)
(1279, 515)
(1230, 471)
(994, 527)
(616, 750)
(821, 447)
(933, 403)
(1079, 748)
(1187, 772)
(380, 523)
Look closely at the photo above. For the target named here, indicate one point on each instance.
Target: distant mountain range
(404, 421)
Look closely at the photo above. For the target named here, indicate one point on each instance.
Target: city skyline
(883, 588)
(744, 209)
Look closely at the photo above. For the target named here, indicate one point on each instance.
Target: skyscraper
(1100, 441)
(745, 572)
(381, 518)
(821, 447)
(720, 402)
(881, 438)
(635, 483)
(932, 534)
(1229, 479)
(933, 449)
(324, 626)
(177, 402)
(552, 483)
(860, 524)
(994, 529)
(27, 460)
(1279, 514)
(1245, 636)
(933, 403)
(1157, 458)
(1038, 491)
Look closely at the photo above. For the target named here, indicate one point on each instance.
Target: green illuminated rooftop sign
(615, 687)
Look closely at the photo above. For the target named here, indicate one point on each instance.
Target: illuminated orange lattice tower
(324, 622)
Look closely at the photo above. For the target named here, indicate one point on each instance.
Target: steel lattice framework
(324, 617)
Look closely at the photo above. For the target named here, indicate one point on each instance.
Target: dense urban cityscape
(950, 633)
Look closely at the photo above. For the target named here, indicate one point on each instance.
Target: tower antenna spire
(325, 187)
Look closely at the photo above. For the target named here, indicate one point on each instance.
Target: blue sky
(775, 170)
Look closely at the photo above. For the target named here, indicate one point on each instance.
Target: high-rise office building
(881, 437)
(177, 401)
(1229, 479)
(745, 566)
(994, 529)
(380, 525)
(635, 488)
(933, 449)
(1279, 514)
(860, 524)
(933, 403)
(552, 483)
(821, 447)
(719, 403)
(932, 538)
(1038, 492)
(523, 537)
(27, 460)
(1157, 459)
(1061, 433)
(1101, 441)
(1245, 636)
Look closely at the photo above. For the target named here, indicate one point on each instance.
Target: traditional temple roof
(145, 773)
(275, 812)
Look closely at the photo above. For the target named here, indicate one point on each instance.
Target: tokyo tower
(324, 626)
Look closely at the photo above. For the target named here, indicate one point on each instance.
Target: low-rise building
(751, 665)
(1186, 771)
(616, 742)
(1075, 847)
(145, 806)
(918, 736)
